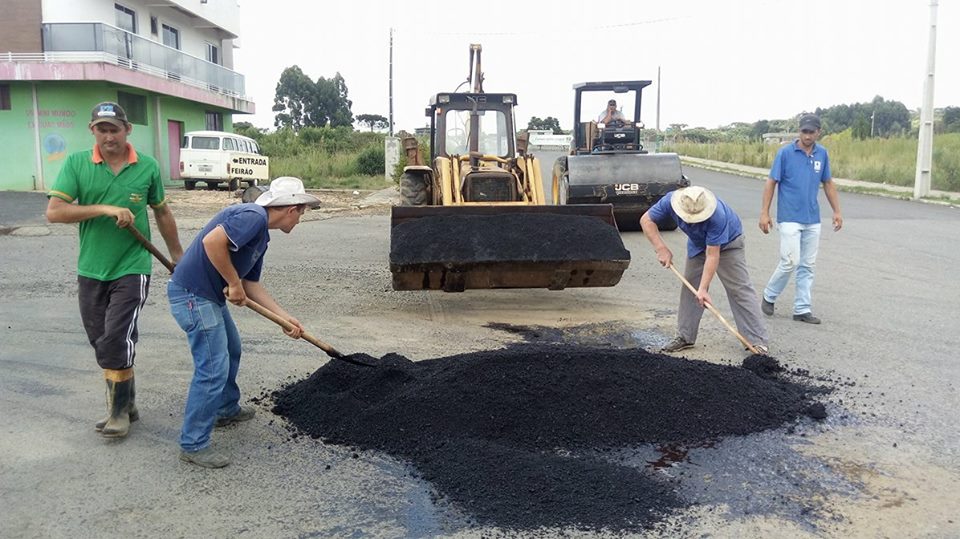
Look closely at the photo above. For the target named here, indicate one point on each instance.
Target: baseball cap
(108, 112)
(809, 122)
(287, 191)
(612, 102)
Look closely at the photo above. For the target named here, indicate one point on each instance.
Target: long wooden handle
(285, 324)
(714, 310)
(151, 247)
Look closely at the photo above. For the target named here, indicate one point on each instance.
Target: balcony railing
(98, 42)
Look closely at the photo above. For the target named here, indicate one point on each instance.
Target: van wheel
(212, 186)
(253, 183)
(189, 185)
(234, 185)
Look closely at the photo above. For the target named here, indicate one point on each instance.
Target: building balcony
(129, 59)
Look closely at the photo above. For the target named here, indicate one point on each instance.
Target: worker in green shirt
(107, 189)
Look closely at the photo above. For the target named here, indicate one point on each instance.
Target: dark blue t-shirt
(720, 229)
(246, 227)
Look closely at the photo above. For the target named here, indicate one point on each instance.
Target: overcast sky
(721, 61)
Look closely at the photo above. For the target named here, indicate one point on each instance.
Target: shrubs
(370, 160)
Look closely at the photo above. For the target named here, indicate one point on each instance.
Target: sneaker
(676, 345)
(766, 307)
(207, 457)
(246, 413)
(762, 350)
(806, 317)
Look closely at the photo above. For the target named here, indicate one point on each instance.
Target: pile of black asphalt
(522, 237)
(516, 437)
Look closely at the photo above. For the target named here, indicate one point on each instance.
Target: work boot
(208, 457)
(806, 317)
(246, 413)
(676, 345)
(119, 383)
(134, 413)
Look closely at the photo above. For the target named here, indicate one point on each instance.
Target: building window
(135, 106)
(5, 97)
(126, 18)
(171, 37)
(213, 53)
(214, 121)
(154, 25)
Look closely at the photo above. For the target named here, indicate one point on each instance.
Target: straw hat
(693, 204)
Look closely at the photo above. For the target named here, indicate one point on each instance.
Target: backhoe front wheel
(414, 190)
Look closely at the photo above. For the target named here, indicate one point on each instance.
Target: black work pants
(110, 310)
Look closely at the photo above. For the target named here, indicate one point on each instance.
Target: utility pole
(921, 183)
(873, 115)
(391, 82)
(657, 148)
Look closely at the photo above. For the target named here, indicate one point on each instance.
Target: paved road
(885, 463)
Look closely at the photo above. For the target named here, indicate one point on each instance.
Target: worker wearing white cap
(227, 256)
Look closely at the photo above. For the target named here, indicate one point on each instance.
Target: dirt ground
(192, 209)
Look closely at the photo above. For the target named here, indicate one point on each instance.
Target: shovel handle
(151, 247)
(714, 310)
(286, 324)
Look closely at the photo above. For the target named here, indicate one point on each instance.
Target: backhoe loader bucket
(455, 248)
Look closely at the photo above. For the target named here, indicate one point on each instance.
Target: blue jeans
(798, 253)
(215, 344)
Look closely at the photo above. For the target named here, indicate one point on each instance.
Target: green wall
(64, 114)
(17, 142)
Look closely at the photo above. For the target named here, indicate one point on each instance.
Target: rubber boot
(134, 413)
(119, 383)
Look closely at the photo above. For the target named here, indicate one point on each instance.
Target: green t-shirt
(106, 251)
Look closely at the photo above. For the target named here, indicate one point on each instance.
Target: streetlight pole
(921, 183)
(391, 82)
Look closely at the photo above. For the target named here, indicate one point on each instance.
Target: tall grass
(326, 157)
(880, 160)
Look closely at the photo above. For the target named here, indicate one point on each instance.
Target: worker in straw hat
(714, 247)
(223, 264)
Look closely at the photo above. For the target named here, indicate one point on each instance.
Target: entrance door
(174, 138)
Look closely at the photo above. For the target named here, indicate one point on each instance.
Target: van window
(228, 144)
(185, 143)
(205, 143)
(243, 145)
(256, 148)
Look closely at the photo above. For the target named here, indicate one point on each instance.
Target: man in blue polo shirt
(798, 172)
(714, 247)
(226, 255)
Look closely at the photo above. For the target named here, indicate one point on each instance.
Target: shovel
(260, 309)
(714, 310)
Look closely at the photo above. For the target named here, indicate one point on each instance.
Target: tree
(951, 120)
(300, 102)
(547, 124)
(861, 127)
(373, 121)
(759, 129)
(295, 97)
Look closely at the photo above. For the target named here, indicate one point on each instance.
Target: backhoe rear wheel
(414, 190)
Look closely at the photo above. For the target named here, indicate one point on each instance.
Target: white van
(216, 156)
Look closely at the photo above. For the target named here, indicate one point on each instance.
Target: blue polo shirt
(798, 178)
(246, 227)
(720, 229)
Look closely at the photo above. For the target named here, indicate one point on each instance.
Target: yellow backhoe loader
(478, 218)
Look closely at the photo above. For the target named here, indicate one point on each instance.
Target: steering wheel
(457, 140)
(615, 124)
